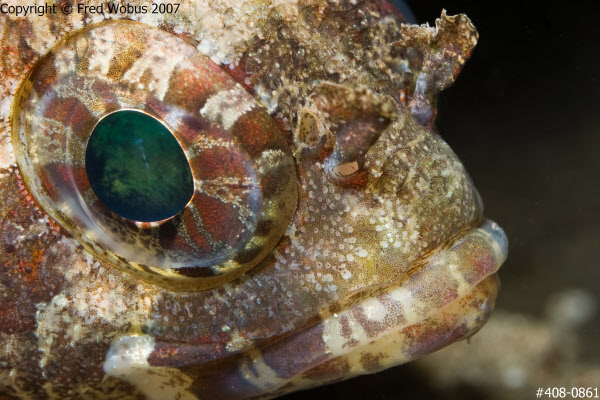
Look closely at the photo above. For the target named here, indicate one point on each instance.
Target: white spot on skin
(6, 155)
(374, 310)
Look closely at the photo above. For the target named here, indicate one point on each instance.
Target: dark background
(524, 117)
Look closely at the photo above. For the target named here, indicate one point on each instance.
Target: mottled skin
(385, 256)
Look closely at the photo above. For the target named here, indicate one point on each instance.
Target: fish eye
(153, 157)
(137, 168)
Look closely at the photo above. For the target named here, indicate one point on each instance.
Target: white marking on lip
(497, 238)
(374, 310)
(255, 371)
(405, 298)
(336, 342)
(127, 359)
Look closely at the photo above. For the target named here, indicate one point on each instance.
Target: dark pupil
(137, 168)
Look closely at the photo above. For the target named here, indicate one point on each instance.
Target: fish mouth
(449, 298)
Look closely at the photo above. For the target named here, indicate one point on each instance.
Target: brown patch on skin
(168, 235)
(263, 227)
(346, 330)
(27, 364)
(120, 65)
(370, 362)
(156, 107)
(15, 318)
(298, 353)
(232, 383)
(221, 220)
(71, 112)
(282, 43)
(333, 369)
(29, 270)
(146, 78)
(437, 332)
(273, 183)
(183, 354)
(76, 366)
(201, 242)
(445, 286)
(189, 89)
(256, 132)
(25, 264)
(239, 74)
(105, 95)
(21, 54)
(42, 81)
(245, 256)
(221, 162)
(428, 337)
(193, 128)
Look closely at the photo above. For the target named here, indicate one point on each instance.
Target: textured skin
(386, 255)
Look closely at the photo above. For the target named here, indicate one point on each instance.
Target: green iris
(137, 168)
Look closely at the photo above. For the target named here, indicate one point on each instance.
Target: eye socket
(137, 168)
(244, 180)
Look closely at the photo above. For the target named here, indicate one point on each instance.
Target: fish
(331, 231)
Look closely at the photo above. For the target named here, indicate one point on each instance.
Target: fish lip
(448, 274)
(453, 292)
(447, 298)
(446, 278)
(497, 237)
(427, 310)
(488, 233)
